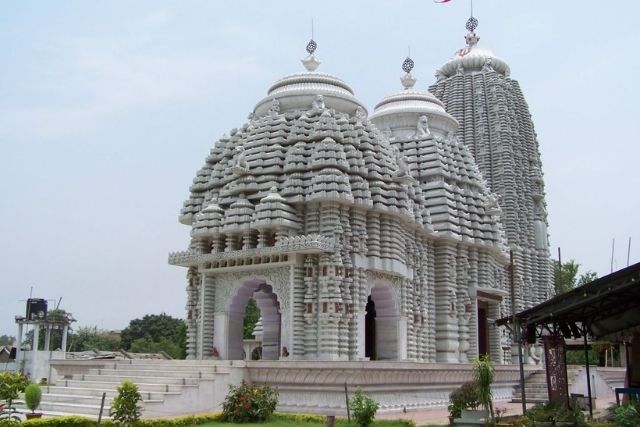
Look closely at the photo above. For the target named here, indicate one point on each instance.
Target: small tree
(32, 396)
(483, 374)
(364, 408)
(125, 407)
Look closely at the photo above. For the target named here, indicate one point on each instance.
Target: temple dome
(472, 58)
(298, 91)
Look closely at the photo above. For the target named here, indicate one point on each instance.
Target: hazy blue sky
(107, 110)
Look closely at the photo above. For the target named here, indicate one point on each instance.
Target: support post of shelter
(586, 358)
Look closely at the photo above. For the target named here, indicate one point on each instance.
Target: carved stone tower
(496, 126)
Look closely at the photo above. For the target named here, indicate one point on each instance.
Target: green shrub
(626, 416)
(125, 407)
(464, 397)
(363, 408)
(249, 403)
(11, 385)
(32, 396)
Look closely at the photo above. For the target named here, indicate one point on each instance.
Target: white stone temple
(381, 236)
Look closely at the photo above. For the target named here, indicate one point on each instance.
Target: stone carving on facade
(318, 103)
(487, 67)
(422, 130)
(361, 114)
(240, 165)
(228, 284)
(274, 109)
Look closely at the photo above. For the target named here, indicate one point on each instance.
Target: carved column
(207, 313)
(447, 337)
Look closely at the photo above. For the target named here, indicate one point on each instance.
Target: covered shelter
(607, 308)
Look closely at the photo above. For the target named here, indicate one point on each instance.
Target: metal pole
(516, 330)
(101, 408)
(586, 358)
(346, 398)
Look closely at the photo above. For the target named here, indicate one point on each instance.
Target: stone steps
(536, 386)
(167, 387)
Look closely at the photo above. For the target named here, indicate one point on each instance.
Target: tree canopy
(251, 316)
(90, 337)
(6, 340)
(566, 276)
(155, 332)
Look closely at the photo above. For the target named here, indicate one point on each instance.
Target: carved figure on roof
(460, 69)
(423, 127)
(487, 65)
(275, 108)
(403, 171)
(318, 103)
(240, 165)
(388, 133)
(360, 113)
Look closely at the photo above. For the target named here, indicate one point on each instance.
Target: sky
(108, 109)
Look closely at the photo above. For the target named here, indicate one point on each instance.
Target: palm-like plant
(483, 373)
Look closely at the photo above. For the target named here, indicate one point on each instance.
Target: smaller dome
(299, 91)
(398, 114)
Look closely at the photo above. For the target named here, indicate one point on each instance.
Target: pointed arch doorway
(269, 306)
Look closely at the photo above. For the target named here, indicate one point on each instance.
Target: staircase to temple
(535, 386)
(168, 387)
(536, 383)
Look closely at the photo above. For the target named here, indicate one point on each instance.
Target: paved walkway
(440, 416)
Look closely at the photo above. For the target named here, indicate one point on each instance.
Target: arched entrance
(269, 306)
(382, 325)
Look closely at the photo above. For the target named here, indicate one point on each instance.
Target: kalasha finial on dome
(311, 46)
(471, 37)
(311, 63)
(472, 24)
(408, 80)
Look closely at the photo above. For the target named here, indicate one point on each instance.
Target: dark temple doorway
(370, 330)
(483, 333)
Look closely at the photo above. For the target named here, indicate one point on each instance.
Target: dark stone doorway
(483, 332)
(370, 330)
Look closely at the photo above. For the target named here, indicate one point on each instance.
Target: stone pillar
(19, 342)
(34, 349)
(47, 337)
(65, 332)
(297, 336)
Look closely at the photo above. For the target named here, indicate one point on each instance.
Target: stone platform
(181, 387)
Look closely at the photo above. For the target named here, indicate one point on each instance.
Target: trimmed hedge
(191, 420)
